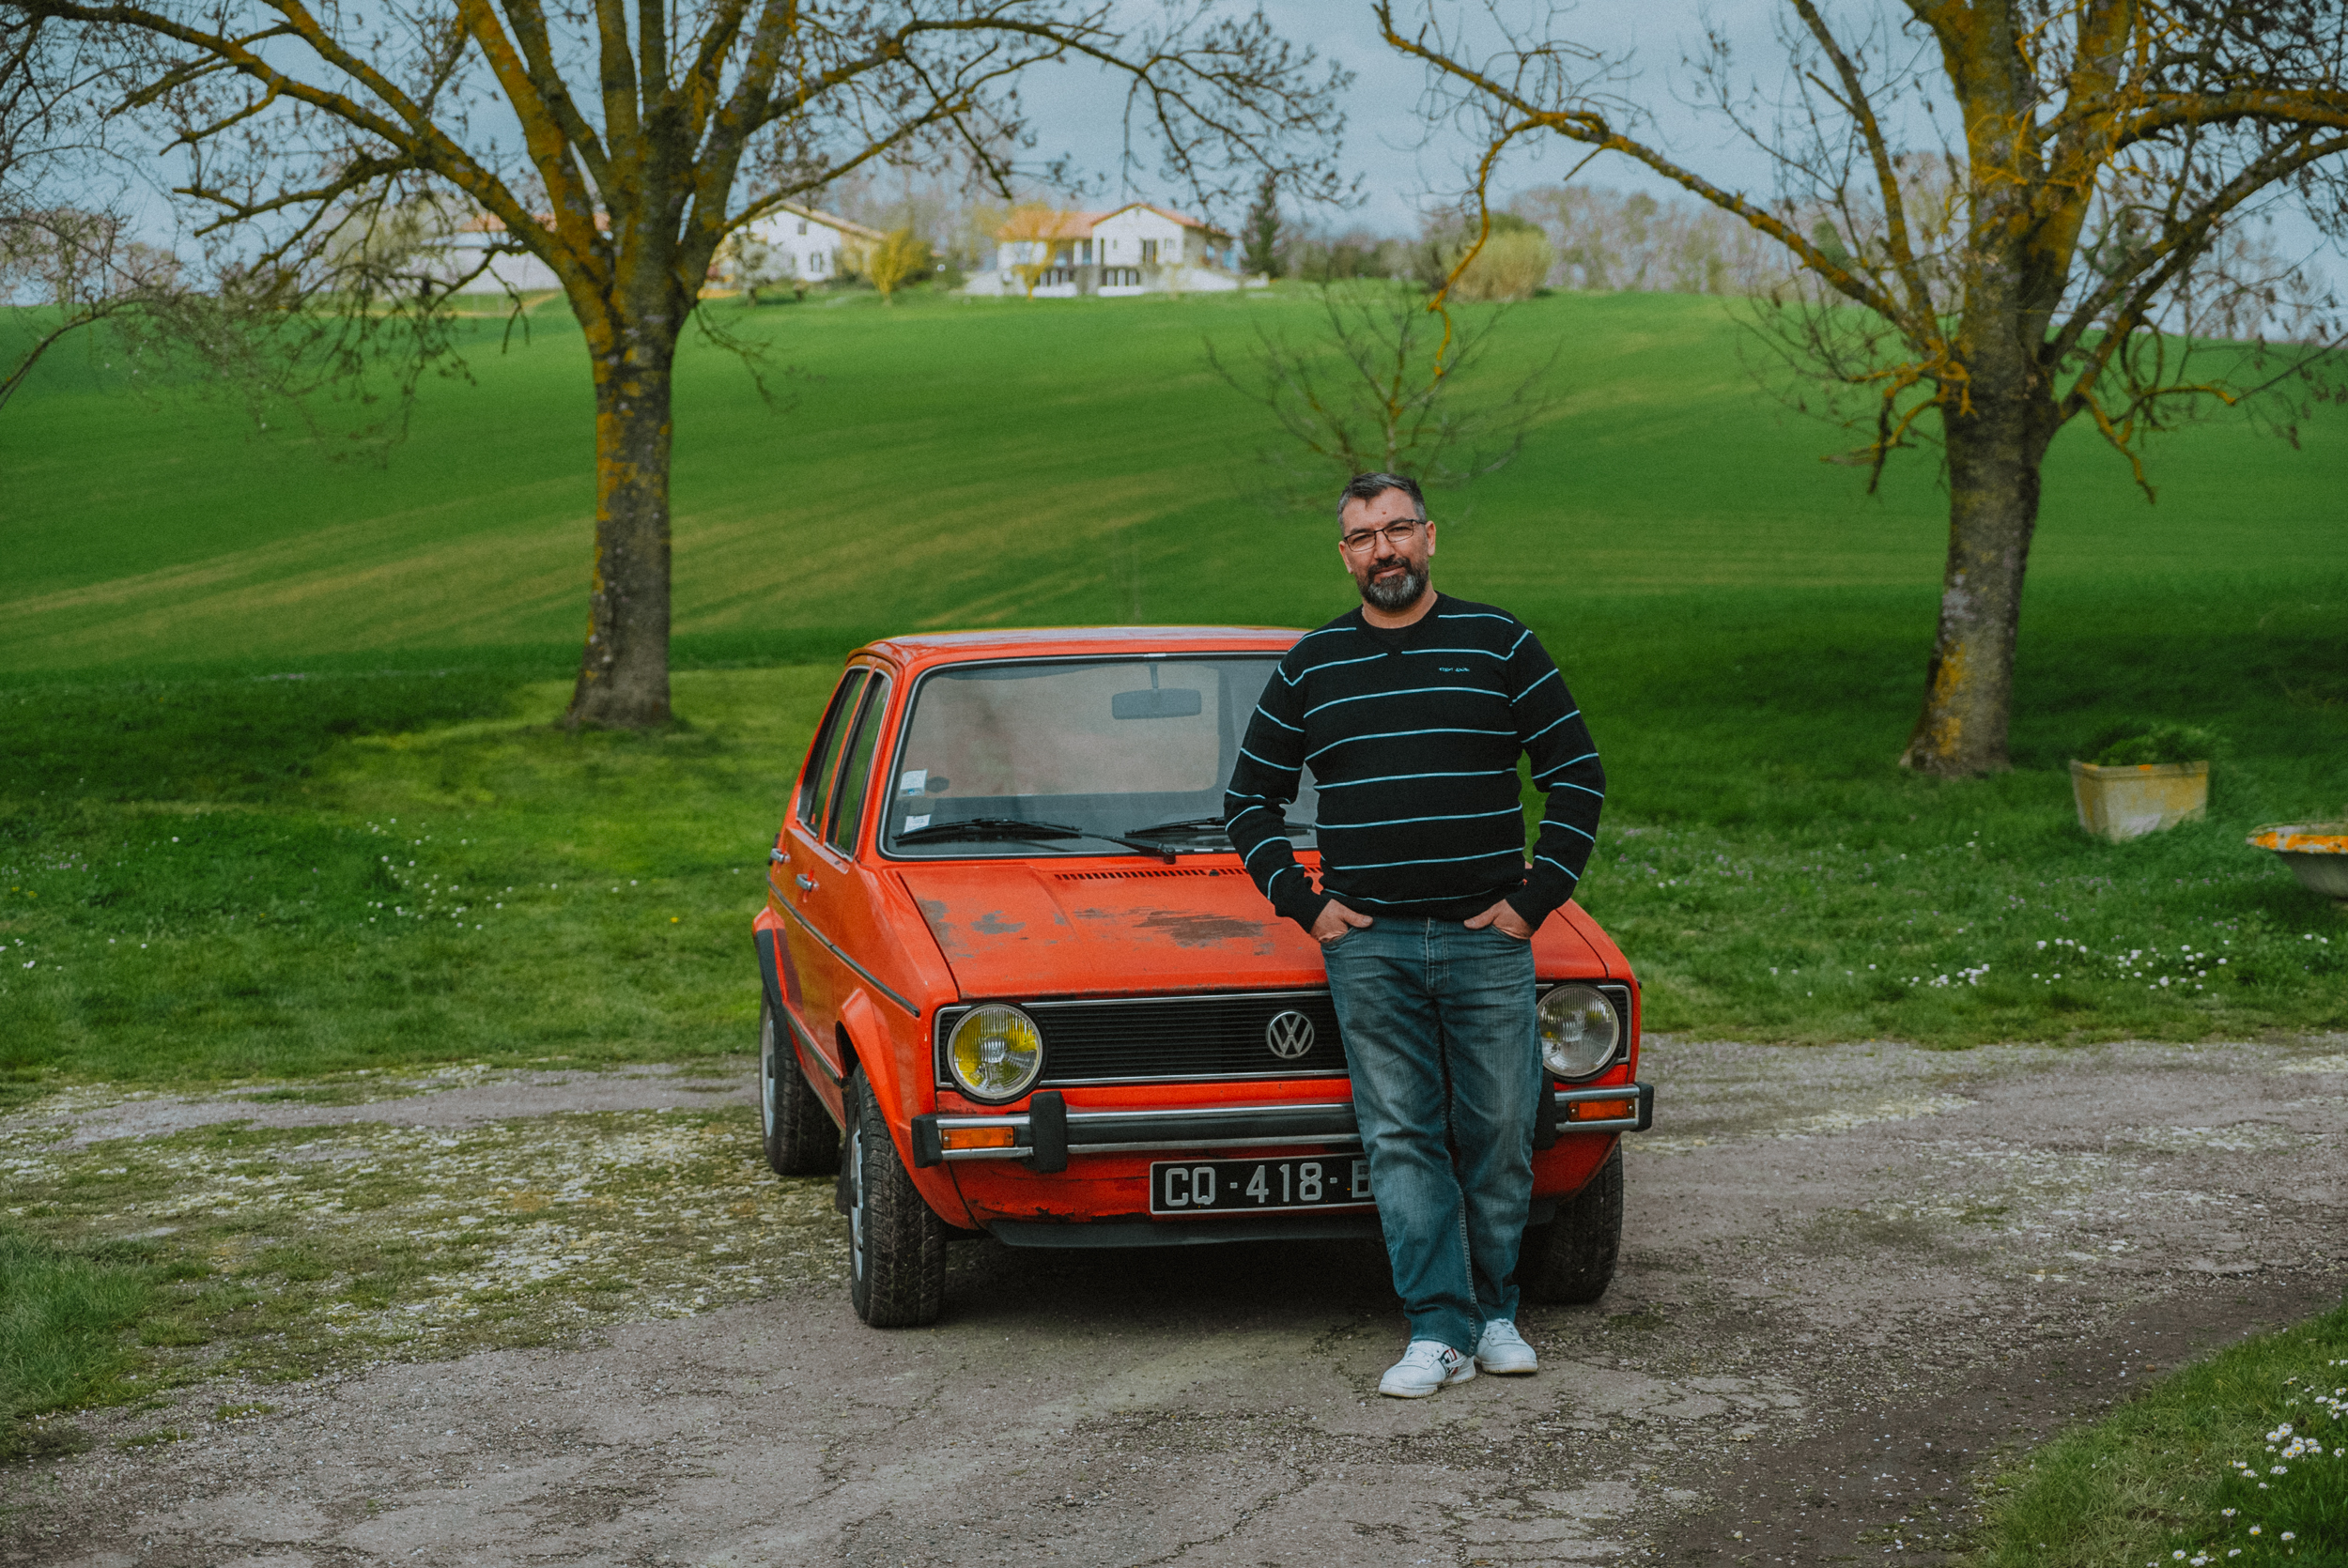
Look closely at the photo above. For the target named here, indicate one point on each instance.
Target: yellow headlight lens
(1579, 1031)
(995, 1053)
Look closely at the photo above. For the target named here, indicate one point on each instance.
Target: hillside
(953, 462)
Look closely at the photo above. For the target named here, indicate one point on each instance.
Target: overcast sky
(1401, 164)
(1387, 146)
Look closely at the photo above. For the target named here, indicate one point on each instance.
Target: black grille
(1173, 1037)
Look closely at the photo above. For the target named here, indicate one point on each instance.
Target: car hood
(1013, 930)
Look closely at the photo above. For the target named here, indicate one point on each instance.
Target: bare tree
(2035, 266)
(648, 133)
(61, 245)
(1391, 381)
(1357, 251)
(1608, 239)
(80, 264)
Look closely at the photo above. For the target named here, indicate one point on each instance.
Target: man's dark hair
(1369, 486)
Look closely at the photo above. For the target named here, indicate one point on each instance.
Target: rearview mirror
(1155, 702)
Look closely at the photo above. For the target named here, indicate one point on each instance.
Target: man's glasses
(1396, 535)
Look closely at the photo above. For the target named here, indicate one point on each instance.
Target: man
(1412, 711)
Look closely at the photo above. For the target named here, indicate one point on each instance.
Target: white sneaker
(1503, 1352)
(1429, 1364)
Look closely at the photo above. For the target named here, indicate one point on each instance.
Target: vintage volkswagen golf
(1017, 983)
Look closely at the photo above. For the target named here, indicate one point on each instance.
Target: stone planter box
(2317, 854)
(2128, 801)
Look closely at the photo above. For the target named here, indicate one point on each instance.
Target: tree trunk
(623, 673)
(1994, 456)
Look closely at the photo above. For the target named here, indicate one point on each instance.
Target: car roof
(925, 648)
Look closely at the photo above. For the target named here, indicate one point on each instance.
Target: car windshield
(1098, 745)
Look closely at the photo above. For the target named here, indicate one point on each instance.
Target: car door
(826, 890)
(791, 871)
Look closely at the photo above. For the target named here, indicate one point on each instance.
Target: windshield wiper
(1012, 827)
(1188, 825)
(1206, 825)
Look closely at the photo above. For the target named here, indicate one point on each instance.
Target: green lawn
(2210, 1468)
(62, 1311)
(205, 870)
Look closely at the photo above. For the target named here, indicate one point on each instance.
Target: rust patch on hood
(934, 912)
(1193, 929)
(1004, 929)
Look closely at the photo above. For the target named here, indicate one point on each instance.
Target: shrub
(1512, 264)
(2129, 744)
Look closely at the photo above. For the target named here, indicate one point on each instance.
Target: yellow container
(2129, 802)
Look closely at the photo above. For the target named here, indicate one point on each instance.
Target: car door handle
(807, 883)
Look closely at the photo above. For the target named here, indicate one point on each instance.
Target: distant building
(795, 243)
(516, 272)
(1134, 249)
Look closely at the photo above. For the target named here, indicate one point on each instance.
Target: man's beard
(1393, 594)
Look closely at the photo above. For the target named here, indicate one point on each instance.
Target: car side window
(815, 783)
(857, 772)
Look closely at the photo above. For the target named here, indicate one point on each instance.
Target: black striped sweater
(1412, 738)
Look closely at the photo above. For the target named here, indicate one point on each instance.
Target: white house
(519, 273)
(1135, 249)
(796, 242)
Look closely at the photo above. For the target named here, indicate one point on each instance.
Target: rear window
(815, 780)
(857, 770)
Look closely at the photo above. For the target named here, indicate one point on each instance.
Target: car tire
(1570, 1260)
(799, 1133)
(896, 1245)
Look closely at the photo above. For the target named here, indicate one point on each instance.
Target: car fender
(901, 1096)
(766, 934)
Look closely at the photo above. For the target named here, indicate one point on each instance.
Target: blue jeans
(1439, 1033)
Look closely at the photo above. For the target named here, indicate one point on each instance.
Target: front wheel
(1570, 1260)
(797, 1131)
(896, 1245)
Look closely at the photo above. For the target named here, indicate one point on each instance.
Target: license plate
(1258, 1186)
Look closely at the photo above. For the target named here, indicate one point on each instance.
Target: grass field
(282, 796)
(2212, 1466)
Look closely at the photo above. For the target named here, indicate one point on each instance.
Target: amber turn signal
(974, 1137)
(1601, 1110)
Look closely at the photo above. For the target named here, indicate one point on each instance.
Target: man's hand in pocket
(1503, 914)
(1335, 920)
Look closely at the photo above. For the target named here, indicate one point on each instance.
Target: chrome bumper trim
(1292, 1125)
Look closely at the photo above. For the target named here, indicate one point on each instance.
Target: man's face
(1390, 575)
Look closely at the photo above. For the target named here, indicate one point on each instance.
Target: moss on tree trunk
(1994, 457)
(624, 671)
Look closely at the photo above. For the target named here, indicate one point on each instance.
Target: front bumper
(1048, 1132)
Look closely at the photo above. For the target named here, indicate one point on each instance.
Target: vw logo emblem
(1289, 1035)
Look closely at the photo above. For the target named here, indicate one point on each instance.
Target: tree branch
(1592, 129)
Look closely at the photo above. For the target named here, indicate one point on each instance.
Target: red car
(1017, 983)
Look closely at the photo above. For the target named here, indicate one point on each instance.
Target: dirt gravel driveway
(1854, 1276)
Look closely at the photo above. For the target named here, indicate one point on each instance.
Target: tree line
(1583, 239)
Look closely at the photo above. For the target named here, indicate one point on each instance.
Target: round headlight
(995, 1053)
(1579, 1031)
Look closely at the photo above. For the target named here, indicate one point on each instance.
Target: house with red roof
(1139, 248)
